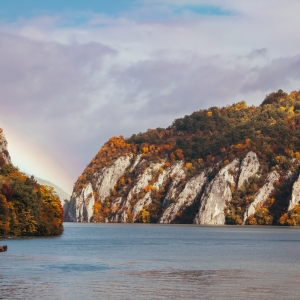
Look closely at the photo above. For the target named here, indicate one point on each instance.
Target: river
(151, 261)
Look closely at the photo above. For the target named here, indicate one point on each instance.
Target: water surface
(120, 261)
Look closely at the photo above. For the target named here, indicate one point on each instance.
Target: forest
(27, 208)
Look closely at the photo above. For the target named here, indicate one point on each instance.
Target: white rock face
(115, 207)
(3, 147)
(249, 167)
(136, 162)
(81, 207)
(213, 201)
(295, 194)
(143, 180)
(262, 195)
(145, 201)
(109, 176)
(186, 197)
(176, 172)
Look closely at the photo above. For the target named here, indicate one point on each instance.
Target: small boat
(3, 248)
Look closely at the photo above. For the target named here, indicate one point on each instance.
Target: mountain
(26, 207)
(229, 165)
(63, 196)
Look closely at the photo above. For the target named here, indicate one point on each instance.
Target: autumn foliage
(27, 208)
(212, 139)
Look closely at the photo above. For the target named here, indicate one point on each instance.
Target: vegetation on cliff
(27, 208)
(213, 138)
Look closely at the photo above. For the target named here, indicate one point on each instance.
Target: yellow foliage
(188, 165)
(122, 181)
(252, 220)
(145, 149)
(209, 113)
(240, 105)
(148, 188)
(145, 215)
(97, 207)
(200, 160)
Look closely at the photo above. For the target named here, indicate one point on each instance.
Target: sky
(74, 73)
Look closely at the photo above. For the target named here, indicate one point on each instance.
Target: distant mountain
(26, 207)
(229, 165)
(60, 192)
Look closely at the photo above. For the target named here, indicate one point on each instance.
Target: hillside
(26, 207)
(230, 165)
(63, 196)
(59, 191)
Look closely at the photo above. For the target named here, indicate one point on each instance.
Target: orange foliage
(179, 154)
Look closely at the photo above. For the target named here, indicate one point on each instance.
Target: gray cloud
(72, 88)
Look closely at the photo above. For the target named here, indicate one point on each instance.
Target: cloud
(69, 88)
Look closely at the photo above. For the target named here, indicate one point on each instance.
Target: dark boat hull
(3, 248)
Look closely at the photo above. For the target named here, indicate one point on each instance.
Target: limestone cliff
(295, 199)
(169, 190)
(262, 194)
(186, 198)
(81, 207)
(216, 195)
(222, 165)
(249, 167)
(3, 148)
(108, 177)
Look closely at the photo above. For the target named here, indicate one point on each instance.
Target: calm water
(117, 261)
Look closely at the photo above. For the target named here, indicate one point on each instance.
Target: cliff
(26, 207)
(230, 165)
(4, 155)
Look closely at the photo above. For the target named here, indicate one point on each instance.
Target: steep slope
(230, 165)
(26, 207)
(63, 196)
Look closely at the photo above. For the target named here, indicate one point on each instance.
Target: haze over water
(120, 261)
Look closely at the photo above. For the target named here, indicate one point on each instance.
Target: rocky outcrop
(262, 195)
(295, 199)
(3, 148)
(177, 174)
(143, 181)
(216, 194)
(166, 191)
(81, 207)
(174, 173)
(186, 198)
(108, 177)
(249, 167)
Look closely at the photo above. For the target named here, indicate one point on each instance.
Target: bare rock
(3, 148)
(262, 195)
(108, 177)
(81, 207)
(186, 198)
(295, 194)
(250, 166)
(213, 201)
